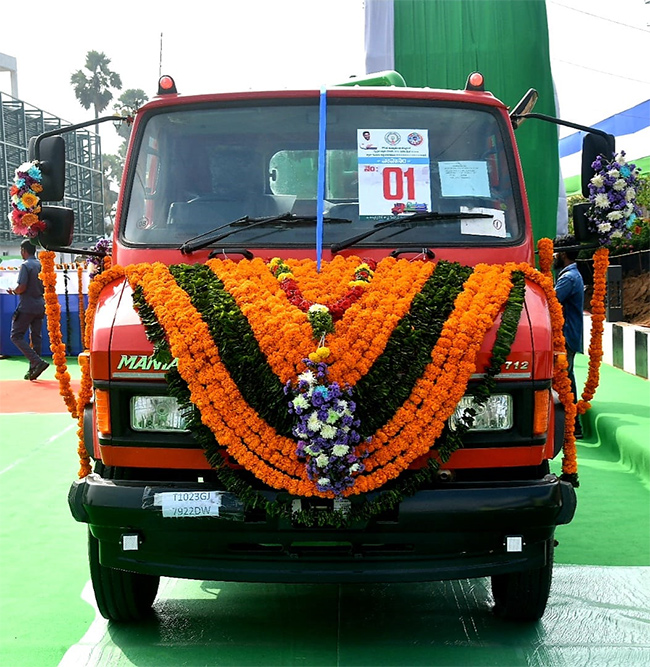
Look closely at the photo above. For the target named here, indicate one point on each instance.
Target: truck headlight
(494, 415)
(156, 413)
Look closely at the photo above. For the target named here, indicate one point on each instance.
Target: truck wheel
(522, 596)
(121, 596)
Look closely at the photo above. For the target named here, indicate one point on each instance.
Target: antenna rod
(160, 62)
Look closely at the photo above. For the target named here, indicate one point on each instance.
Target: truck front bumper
(457, 531)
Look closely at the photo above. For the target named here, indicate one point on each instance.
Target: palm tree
(94, 89)
(128, 104)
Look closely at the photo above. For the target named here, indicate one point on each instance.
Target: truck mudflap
(457, 531)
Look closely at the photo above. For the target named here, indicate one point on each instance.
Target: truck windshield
(199, 168)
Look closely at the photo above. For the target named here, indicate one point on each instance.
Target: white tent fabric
(379, 36)
(631, 129)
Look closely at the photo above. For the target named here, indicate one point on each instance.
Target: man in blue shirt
(570, 290)
(30, 312)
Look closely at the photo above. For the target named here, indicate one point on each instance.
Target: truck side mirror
(594, 145)
(524, 106)
(59, 227)
(50, 153)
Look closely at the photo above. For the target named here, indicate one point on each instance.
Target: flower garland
(271, 457)
(246, 437)
(82, 304)
(197, 421)
(284, 334)
(601, 262)
(561, 382)
(325, 428)
(53, 312)
(103, 249)
(68, 321)
(74, 404)
(612, 197)
(321, 316)
(25, 201)
(95, 287)
(418, 423)
(545, 251)
(274, 456)
(84, 398)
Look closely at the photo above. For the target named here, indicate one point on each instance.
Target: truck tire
(522, 596)
(121, 596)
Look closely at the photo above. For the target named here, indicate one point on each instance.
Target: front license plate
(179, 504)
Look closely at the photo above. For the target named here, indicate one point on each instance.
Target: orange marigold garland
(356, 343)
(74, 404)
(247, 438)
(419, 422)
(561, 382)
(53, 312)
(601, 262)
(545, 250)
(95, 287)
(84, 398)
(82, 305)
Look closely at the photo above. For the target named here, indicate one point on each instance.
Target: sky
(599, 50)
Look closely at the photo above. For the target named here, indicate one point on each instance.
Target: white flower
(604, 226)
(628, 210)
(343, 407)
(328, 432)
(324, 481)
(314, 423)
(620, 158)
(614, 173)
(598, 181)
(310, 451)
(601, 200)
(340, 450)
(617, 234)
(354, 467)
(318, 308)
(620, 184)
(630, 194)
(308, 377)
(614, 215)
(300, 402)
(25, 166)
(322, 460)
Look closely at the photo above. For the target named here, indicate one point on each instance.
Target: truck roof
(483, 98)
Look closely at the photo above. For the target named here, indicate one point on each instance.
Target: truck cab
(347, 174)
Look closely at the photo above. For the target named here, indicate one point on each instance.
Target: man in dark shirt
(30, 312)
(570, 290)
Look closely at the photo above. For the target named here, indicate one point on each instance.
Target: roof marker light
(475, 81)
(166, 85)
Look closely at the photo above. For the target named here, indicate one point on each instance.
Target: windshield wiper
(212, 236)
(416, 217)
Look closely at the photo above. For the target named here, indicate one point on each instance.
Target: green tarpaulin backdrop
(437, 43)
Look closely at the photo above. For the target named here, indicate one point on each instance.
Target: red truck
(219, 189)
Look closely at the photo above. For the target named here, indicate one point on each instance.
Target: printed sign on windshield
(393, 172)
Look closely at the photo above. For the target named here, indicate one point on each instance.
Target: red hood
(120, 347)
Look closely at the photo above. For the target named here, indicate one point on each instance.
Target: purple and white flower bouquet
(325, 429)
(612, 197)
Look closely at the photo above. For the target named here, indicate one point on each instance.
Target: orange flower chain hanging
(53, 312)
(601, 262)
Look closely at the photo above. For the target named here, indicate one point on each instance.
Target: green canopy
(437, 43)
